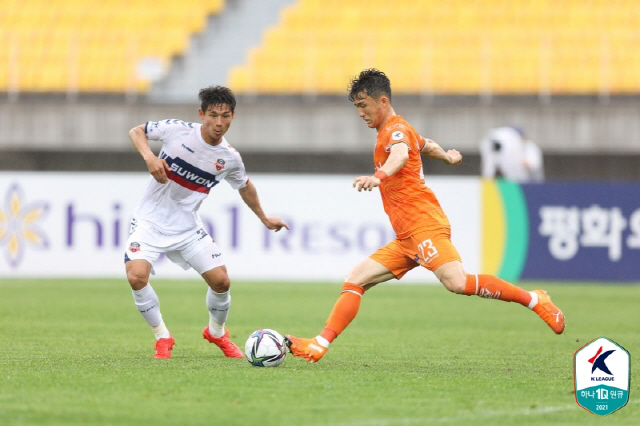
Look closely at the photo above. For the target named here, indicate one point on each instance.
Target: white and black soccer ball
(265, 348)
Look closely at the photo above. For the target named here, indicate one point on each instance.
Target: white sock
(322, 341)
(148, 305)
(161, 331)
(218, 305)
(534, 300)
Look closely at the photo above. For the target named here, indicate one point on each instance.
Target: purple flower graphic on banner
(18, 228)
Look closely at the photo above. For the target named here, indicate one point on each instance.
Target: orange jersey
(411, 206)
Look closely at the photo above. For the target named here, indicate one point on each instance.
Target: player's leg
(365, 275)
(209, 262)
(383, 265)
(453, 276)
(139, 258)
(148, 304)
(218, 299)
(455, 279)
(437, 253)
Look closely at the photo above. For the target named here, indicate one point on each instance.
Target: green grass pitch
(76, 352)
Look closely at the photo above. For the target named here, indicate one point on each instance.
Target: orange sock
(492, 287)
(344, 311)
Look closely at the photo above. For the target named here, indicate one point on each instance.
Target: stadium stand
(91, 45)
(228, 37)
(458, 47)
(426, 46)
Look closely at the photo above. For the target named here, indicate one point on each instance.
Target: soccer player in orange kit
(423, 233)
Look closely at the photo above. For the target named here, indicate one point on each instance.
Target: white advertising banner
(76, 225)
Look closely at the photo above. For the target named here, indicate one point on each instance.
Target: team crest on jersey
(134, 247)
(397, 135)
(219, 164)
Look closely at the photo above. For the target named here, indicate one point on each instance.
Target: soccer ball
(265, 348)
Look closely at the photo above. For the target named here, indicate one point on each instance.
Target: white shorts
(192, 249)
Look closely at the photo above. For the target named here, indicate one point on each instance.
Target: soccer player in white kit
(194, 158)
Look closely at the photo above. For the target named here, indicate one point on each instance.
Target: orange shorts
(430, 249)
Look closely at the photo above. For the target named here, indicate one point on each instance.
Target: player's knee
(220, 284)
(452, 276)
(455, 286)
(366, 285)
(454, 282)
(354, 279)
(217, 279)
(137, 279)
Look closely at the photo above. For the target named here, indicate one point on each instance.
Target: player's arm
(398, 157)
(249, 195)
(157, 167)
(435, 151)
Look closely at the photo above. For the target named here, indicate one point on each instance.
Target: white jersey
(196, 167)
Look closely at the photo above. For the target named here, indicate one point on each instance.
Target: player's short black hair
(371, 81)
(217, 95)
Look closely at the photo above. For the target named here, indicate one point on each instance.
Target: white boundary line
(484, 414)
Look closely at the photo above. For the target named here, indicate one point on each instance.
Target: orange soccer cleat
(309, 349)
(228, 348)
(549, 312)
(163, 347)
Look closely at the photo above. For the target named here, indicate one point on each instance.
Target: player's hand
(366, 182)
(276, 223)
(454, 157)
(158, 169)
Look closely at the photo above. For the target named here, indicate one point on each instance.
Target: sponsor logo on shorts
(202, 233)
(134, 247)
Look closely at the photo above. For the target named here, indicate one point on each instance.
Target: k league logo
(601, 370)
(598, 361)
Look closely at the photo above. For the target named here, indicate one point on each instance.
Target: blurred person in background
(194, 158)
(423, 231)
(507, 153)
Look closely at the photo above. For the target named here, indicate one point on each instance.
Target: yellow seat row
(458, 46)
(92, 45)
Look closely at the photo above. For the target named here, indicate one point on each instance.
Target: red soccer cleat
(228, 348)
(309, 349)
(549, 312)
(163, 347)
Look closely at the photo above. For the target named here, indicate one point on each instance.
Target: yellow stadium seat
(457, 46)
(98, 43)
